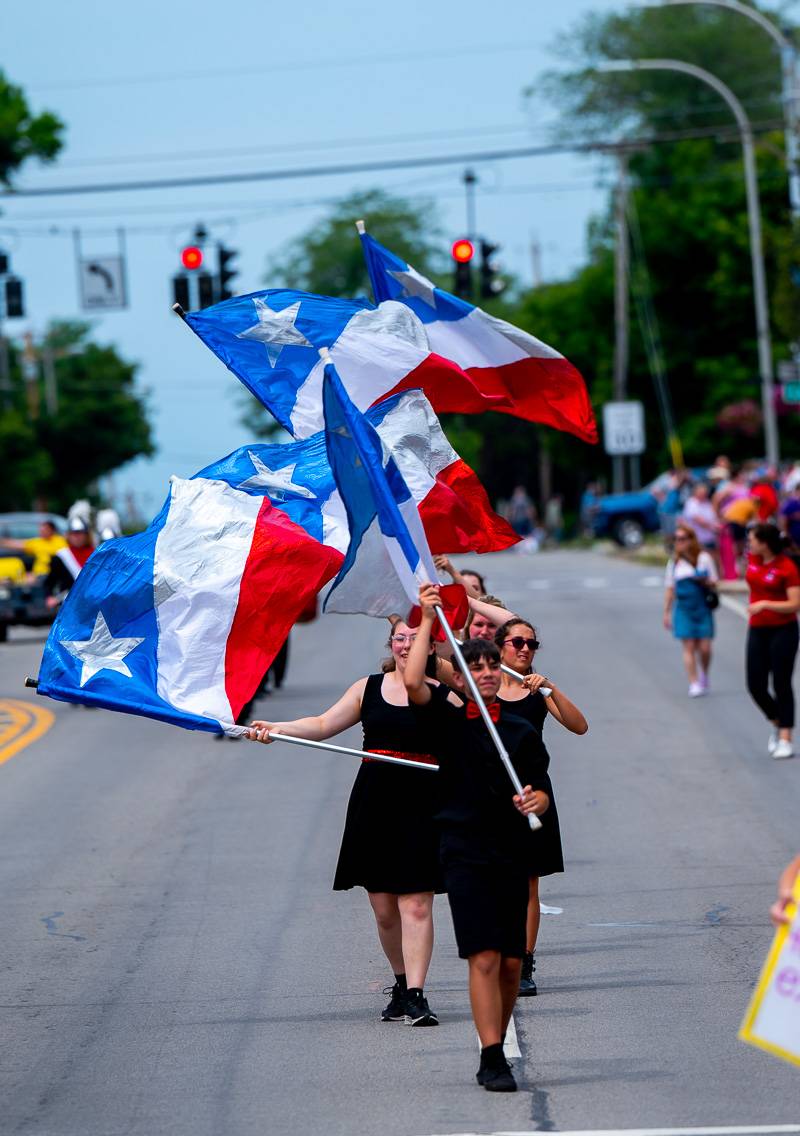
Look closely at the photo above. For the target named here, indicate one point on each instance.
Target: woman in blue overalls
(690, 581)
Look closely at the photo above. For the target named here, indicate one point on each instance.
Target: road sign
(102, 282)
(790, 392)
(623, 428)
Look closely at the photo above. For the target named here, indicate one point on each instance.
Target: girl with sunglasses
(690, 579)
(390, 845)
(518, 644)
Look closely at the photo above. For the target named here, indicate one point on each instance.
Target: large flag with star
(181, 621)
(388, 556)
(270, 340)
(512, 371)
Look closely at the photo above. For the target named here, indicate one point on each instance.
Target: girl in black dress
(518, 644)
(390, 845)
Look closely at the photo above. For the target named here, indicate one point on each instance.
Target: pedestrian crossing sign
(772, 1021)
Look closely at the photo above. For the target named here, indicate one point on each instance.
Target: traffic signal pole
(621, 263)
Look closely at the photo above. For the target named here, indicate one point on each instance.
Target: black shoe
(418, 1012)
(495, 1073)
(527, 987)
(396, 1010)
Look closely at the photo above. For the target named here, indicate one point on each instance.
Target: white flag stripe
(196, 597)
(481, 340)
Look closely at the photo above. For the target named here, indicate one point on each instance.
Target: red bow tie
(493, 708)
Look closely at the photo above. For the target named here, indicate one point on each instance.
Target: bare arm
(669, 599)
(419, 691)
(784, 607)
(562, 708)
(341, 716)
(444, 564)
(785, 892)
(9, 542)
(497, 615)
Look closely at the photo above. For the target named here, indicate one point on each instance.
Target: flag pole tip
(31, 682)
(178, 310)
(362, 228)
(325, 355)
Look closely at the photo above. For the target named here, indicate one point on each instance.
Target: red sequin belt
(422, 758)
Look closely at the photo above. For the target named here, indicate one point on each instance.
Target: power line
(722, 133)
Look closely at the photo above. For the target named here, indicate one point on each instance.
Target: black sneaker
(495, 1072)
(396, 1010)
(418, 1012)
(527, 987)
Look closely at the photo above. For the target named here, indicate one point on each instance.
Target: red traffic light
(463, 250)
(191, 257)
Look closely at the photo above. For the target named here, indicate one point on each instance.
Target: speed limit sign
(623, 428)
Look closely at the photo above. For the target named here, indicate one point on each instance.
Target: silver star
(417, 285)
(277, 482)
(102, 652)
(275, 330)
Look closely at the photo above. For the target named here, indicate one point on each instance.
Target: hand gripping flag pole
(533, 820)
(278, 737)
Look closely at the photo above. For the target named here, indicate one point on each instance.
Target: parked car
(22, 597)
(628, 517)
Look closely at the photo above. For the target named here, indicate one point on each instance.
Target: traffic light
(191, 257)
(4, 263)
(225, 272)
(491, 283)
(205, 289)
(462, 252)
(15, 308)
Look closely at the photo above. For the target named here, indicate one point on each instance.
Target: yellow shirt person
(42, 547)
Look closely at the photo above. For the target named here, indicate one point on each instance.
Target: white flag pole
(533, 820)
(278, 737)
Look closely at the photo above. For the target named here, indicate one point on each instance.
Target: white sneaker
(783, 749)
(696, 690)
(774, 738)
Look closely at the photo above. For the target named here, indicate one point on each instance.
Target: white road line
(742, 1130)
(595, 582)
(539, 585)
(652, 581)
(734, 605)
(546, 909)
(511, 1045)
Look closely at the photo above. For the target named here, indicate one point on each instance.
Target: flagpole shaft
(278, 737)
(533, 820)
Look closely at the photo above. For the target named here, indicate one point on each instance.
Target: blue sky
(155, 90)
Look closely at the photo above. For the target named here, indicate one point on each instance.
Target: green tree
(328, 259)
(24, 135)
(688, 196)
(100, 424)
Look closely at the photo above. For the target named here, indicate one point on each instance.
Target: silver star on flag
(101, 652)
(277, 482)
(414, 284)
(275, 330)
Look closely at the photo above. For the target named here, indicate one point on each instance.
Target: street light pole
(618, 462)
(754, 220)
(790, 83)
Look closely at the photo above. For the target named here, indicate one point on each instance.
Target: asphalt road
(172, 959)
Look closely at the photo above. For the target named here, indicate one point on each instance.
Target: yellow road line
(21, 724)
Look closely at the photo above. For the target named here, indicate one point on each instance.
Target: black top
(475, 787)
(533, 709)
(387, 726)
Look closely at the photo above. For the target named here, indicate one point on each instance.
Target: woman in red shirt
(772, 636)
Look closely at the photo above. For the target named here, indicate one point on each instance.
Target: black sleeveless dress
(390, 841)
(548, 857)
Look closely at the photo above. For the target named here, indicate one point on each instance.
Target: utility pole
(470, 180)
(621, 267)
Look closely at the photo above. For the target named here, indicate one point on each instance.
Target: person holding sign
(786, 886)
(390, 843)
(485, 845)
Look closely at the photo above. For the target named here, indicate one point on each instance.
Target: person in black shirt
(485, 844)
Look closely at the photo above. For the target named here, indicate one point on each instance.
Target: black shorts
(489, 905)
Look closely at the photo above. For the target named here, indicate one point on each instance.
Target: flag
(514, 372)
(181, 621)
(388, 556)
(270, 341)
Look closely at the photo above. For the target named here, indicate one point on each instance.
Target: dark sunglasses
(517, 642)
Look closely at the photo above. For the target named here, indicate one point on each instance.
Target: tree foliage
(24, 135)
(100, 424)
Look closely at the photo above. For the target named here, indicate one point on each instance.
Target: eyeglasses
(517, 642)
(681, 536)
(399, 639)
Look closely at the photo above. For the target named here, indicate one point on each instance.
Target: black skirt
(390, 841)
